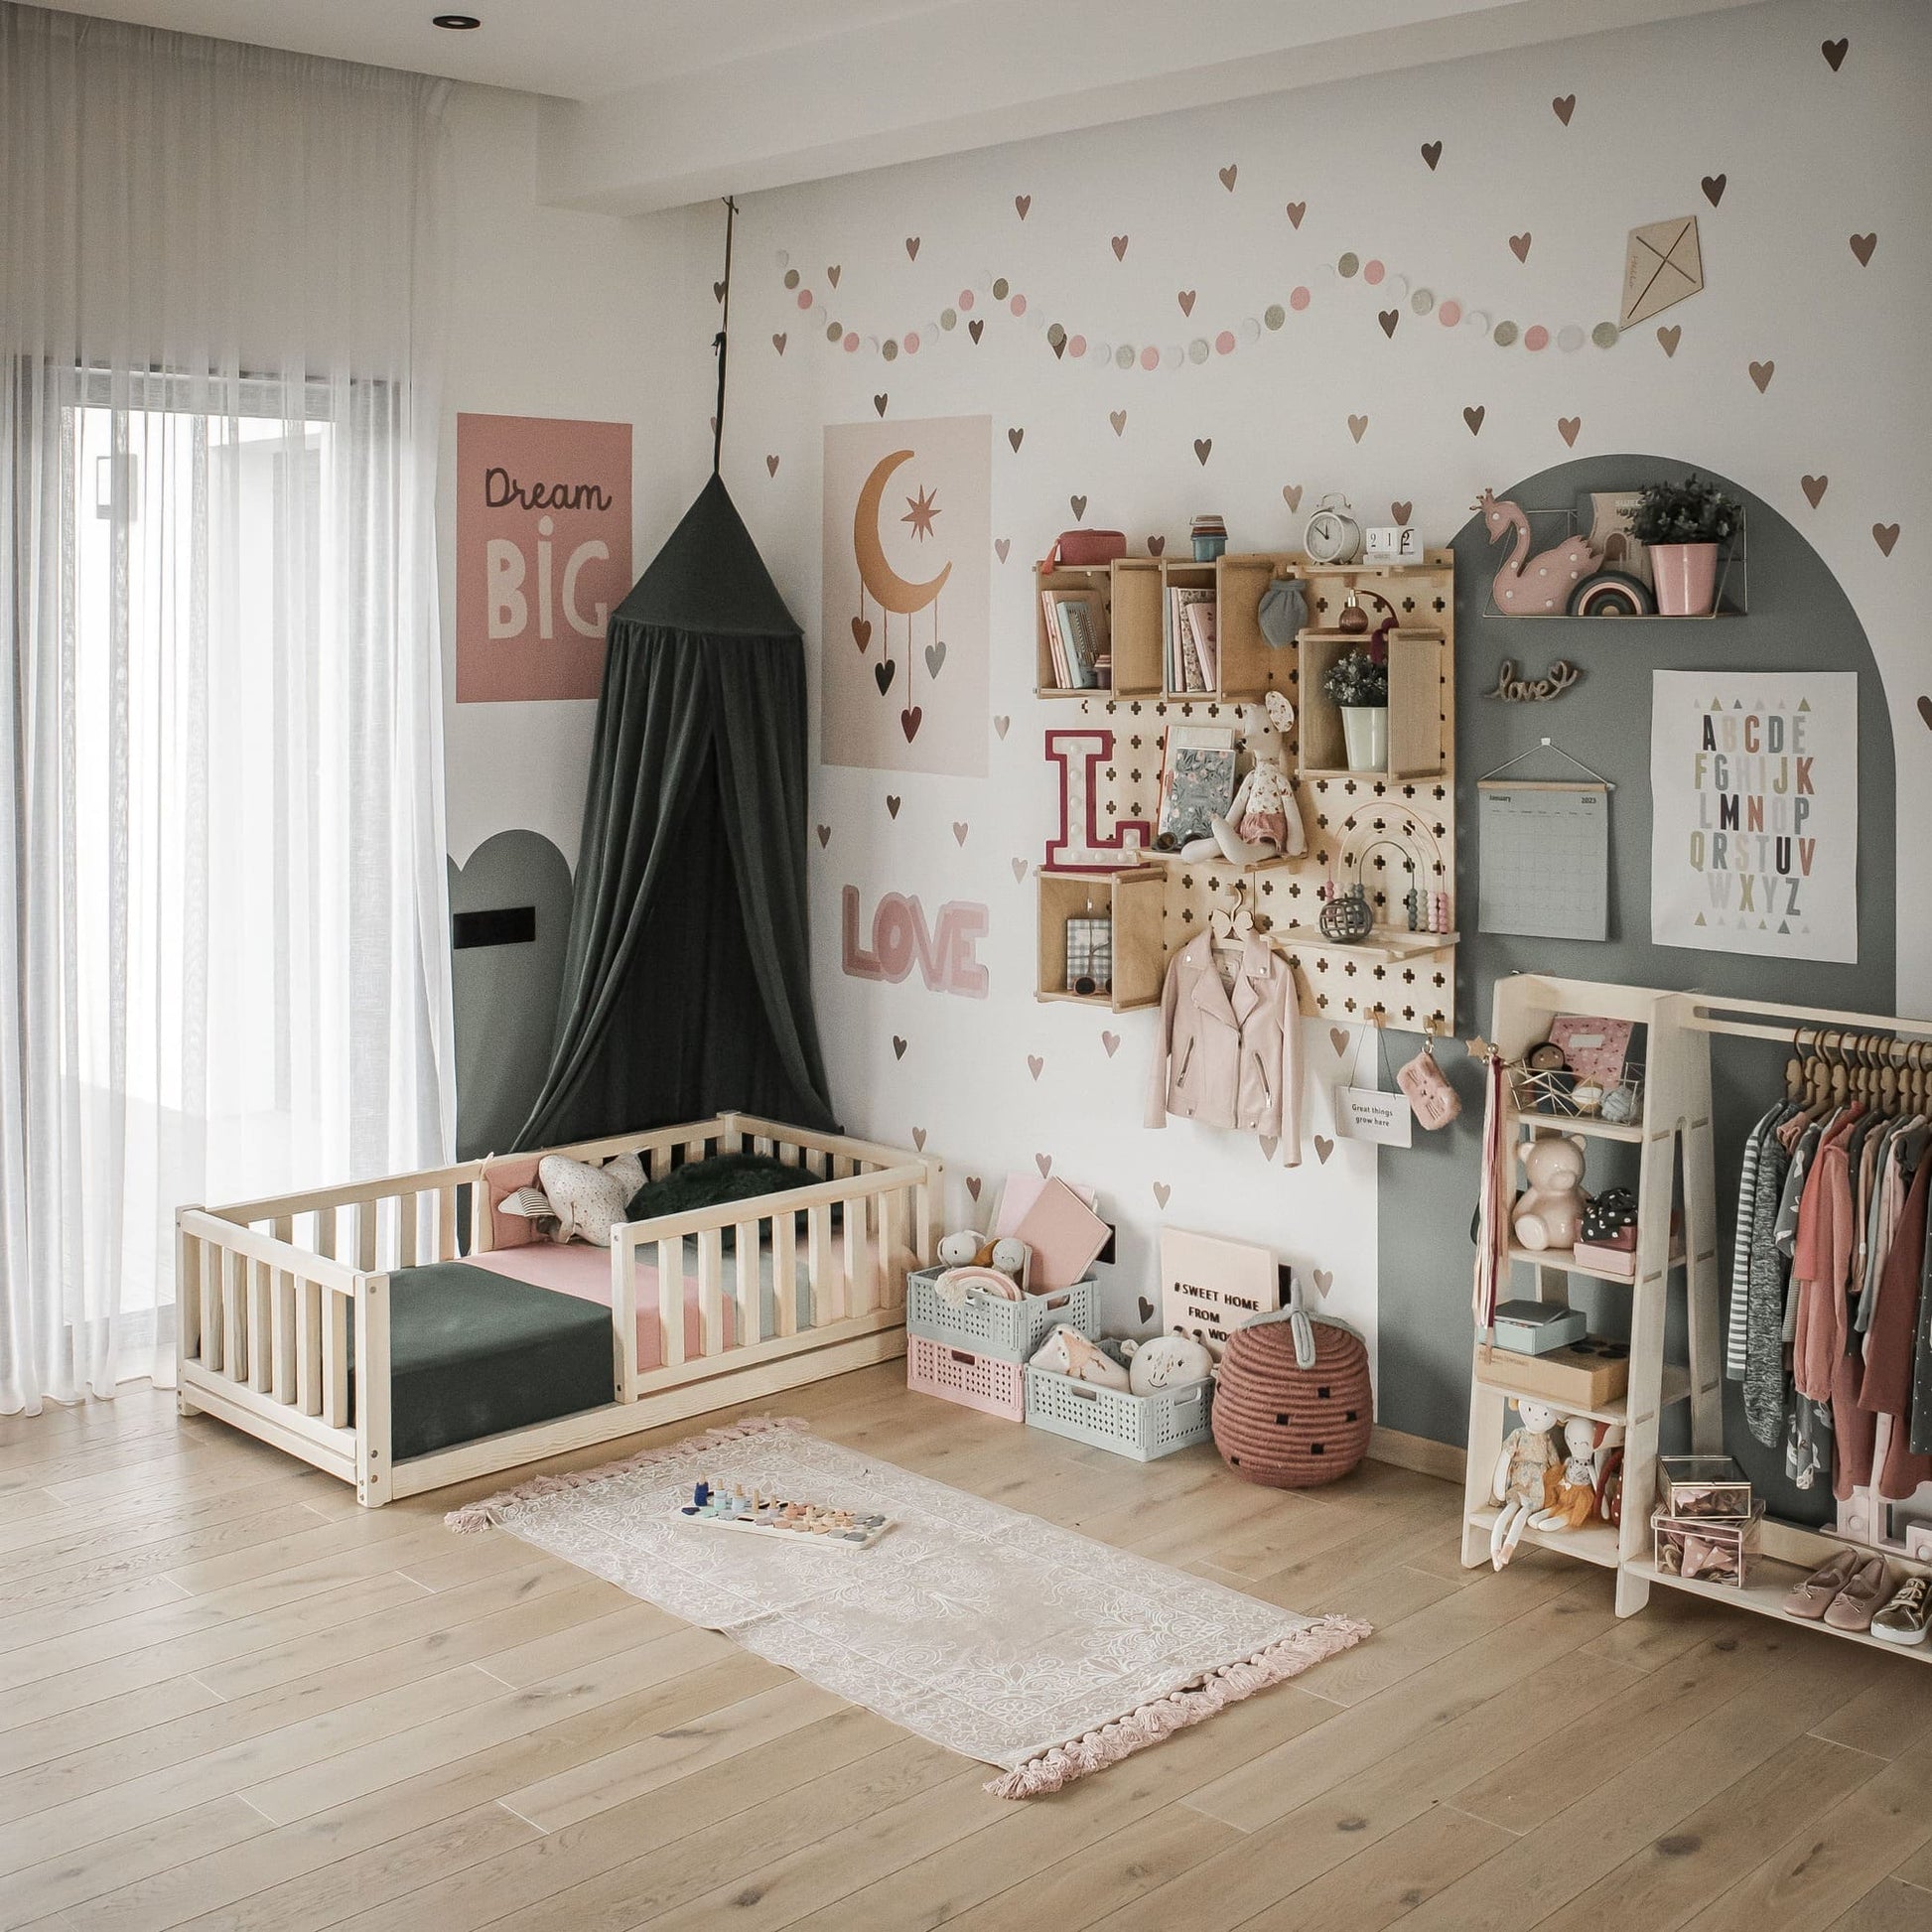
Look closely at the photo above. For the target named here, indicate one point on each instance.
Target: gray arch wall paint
(1799, 620)
(506, 996)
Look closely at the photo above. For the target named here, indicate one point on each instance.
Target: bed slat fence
(284, 1302)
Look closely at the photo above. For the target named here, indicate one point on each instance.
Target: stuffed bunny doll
(1526, 1456)
(1570, 1488)
(1263, 821)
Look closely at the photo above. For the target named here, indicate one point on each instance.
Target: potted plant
(1359, 685)
(1683, 524)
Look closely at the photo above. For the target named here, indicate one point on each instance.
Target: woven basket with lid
(1291, 1418)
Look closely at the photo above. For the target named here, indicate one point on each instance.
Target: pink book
(1017, 1194)
(1065, 1235)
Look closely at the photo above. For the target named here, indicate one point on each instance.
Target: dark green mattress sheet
(473, 1353)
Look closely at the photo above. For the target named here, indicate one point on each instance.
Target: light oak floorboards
(230, 1699)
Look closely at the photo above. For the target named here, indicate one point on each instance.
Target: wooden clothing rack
(1856, 1051)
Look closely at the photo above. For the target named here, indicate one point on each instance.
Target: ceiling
(661, 103)
(577, 49)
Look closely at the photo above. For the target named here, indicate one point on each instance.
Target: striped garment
(1741, 1251)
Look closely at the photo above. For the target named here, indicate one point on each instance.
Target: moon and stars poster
(1755, 813)
(909, 531)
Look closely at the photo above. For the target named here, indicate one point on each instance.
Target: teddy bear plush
(1550, 1212)
(1165, 1362)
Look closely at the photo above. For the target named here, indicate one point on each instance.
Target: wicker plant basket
(1290, 1426)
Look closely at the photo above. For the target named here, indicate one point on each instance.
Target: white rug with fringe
(995, 1634)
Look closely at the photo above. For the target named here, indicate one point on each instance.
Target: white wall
(1810, 157)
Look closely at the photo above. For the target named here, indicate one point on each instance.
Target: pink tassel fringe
(1275, 1663)
(487, 1513)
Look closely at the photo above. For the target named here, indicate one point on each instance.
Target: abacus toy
(798, 1522)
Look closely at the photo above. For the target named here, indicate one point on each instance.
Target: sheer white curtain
(224, 964)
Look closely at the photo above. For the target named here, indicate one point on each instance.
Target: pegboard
(1409, 978)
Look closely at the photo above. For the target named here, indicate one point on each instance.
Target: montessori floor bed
(390, 1333)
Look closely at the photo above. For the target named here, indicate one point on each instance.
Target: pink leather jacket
(1230, 1058)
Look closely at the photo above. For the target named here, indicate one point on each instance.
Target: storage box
(1536, 1327)
(1707, 1487)
(1009, 1331)
(1707, 1549)
(1589, 1374)
(981, 1382)
(1141, 1425)
(1606, 1259)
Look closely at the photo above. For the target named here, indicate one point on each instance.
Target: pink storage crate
(981, 1382)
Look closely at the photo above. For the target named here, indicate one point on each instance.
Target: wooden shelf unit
(1416, 740)
(1409, 978)
(1067, 577)
(1131, 902)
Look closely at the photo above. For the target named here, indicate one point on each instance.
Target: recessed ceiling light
(456, 22)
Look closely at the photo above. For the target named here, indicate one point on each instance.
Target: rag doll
(1570, 1487)
(1165, 1362)
(1526, 1456)
(1066, 1351)
(1263, 821)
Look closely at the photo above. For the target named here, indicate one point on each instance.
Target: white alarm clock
(1392, 543)
(1332, 536)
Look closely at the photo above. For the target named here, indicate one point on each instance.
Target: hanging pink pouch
(1430, 1097)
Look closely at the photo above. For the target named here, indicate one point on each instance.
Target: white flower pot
(1365, 732)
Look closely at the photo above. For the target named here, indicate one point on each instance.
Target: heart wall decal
(1227, 177)
(1078, 504)
(832, 274)
(879, 402)
(959, 830)
(892, 805)
(1000, 545)
(1473, 417)
(1118, 417)
(1045, 1162)
(898, 1047)
(1203, 448)
(1761, 373)
(1432, 152)
(1566, 428)
(973, 1186)
(1120, 247)
(912, 248)
(1359, 426)
(1186, 301)
(1863, 246)
(1022, 204)
(1814, 488)
(824, 835)
(1713, 188)
(770, 466)
(1016, 437)
(1036, 1065)
(919, 1139)
(1147, 1309)
(1002, 723)
(1162, 1193)
(1296, 210)
(778, 342)
(1563, 107)
(1519, 246)
(1925, 711)
(1388, 317)
(1402, 513)
(1110, 1045)
(1292, 493)
(1885, 536)
(1323, 1147)
(1833, 53)
(1669, 337)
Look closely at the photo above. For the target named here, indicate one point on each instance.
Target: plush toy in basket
(1292, 1405)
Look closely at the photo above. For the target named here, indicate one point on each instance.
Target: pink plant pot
(1685, 576)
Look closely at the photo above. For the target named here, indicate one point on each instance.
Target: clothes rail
(1706, 1013)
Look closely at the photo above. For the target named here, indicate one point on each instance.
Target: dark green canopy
(687, 980)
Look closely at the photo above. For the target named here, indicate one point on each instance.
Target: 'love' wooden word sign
(901, 940)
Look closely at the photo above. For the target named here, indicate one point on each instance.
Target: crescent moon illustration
(890, 591)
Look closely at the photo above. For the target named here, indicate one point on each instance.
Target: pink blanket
(574, 1268)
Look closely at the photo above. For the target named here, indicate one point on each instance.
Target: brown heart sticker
(1669, 336)
(824, 835)
(1863, 246)
(1227, 177)
(1324, 1280)
(912, 248)
(1388, 317)
(879, 402)
(1045, 1162)
(1432, 152)
(1146, 1309)
(1359, 426)
(832, 275)
(1187, 299)
(898, 1047)
(778, 342)
(1566, 428)
(1018, 869)
(1016, 437)
(892, 805)
(1080, 505)
(1292, 493)
(1118, 417)
(1002, 723)
(919, 1139)
(1162, 1193)
(1296, 210)
(1271, 1145)
(1519, 246)
(1338, 1039)
(1035, 1064)
(1814, 488)
(883, 672)
(910, 721)
(1402, 513)
(1473, 417)
(1564, 106)
(862, 633)
(718, 290)
(1022, 202)
(1204, 445)
(1120, 247)
(973, 1186)
(1713, 188)
(960, 829)
(770, 466)
(1154, 546)
(1000, 545)
(976, 329)
(1925, 711)
(1833, 53)
(1323, 1147)
(1885, 536)
(1761, 373)
(1110, 1045)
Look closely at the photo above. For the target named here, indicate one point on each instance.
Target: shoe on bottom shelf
(1907, 1617)
(1813, 1597)
(1854, 1606)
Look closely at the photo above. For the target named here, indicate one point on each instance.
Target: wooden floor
(228, 1696)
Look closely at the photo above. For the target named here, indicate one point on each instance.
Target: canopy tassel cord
(718, 340)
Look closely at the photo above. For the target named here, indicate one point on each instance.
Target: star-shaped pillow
(589, 1201)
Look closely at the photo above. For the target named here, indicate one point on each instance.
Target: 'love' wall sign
(543, 554)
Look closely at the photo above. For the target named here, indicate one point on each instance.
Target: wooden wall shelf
(1132, 900)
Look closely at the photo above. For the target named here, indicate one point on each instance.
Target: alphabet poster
(908, 537)
(1755, 813)
(542, 554)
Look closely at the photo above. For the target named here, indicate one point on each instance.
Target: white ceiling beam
(994, 71)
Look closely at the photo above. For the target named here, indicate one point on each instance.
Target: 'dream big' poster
(1755, 813)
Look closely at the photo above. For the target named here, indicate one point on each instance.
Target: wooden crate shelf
(1131, 901)
(1416, 748)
